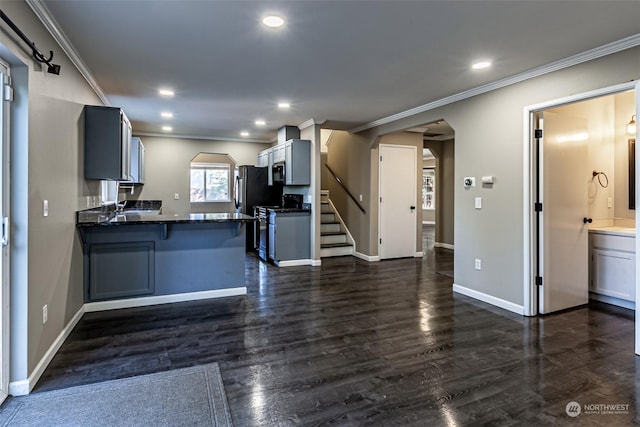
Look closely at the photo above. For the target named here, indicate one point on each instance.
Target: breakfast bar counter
(147, 257)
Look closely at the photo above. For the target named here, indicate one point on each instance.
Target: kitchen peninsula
(151, 257)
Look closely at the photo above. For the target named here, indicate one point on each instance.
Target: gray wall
(489, 141)
(167, 169)
(46, 144)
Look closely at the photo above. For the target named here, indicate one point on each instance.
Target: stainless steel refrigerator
(252, 189)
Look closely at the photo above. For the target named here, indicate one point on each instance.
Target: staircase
(334, 240)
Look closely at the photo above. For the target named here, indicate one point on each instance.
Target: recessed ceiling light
(283, 105)
(481, 65)
(167, 128)
(273, 21)
(166, 92)
(260, 122)
(167, 115)
(244, 133)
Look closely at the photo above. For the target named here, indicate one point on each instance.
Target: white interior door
(564, 178)
(5, 97)
(397, 187)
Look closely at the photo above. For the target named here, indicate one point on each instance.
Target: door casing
(411, 247)
(529, 196)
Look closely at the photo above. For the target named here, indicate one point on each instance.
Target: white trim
(20, 388)
(310, 122)
(380, 180)
(529, 287)
(297, 262)
(203, 138)
(428, 223)
(41, 11)
(631, 305)
(443, 245)
(499, 302)
(418, 254)
(598, 52)
(163, 299)
(370, 258)
(637, 218)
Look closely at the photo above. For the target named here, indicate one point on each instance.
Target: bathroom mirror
(632, 173)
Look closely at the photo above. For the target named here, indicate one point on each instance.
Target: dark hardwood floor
(356, 343)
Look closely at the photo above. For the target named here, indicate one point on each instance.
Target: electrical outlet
(478, 264)
(361, 197)
(45, 314)
(176, 196)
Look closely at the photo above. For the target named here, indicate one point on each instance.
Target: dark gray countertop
(106, 217)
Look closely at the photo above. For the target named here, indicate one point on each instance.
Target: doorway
(578, 179)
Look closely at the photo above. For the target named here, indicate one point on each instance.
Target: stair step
(336, 245)
(331, 251)
(327, 217)
(331, 227)
(333, 238)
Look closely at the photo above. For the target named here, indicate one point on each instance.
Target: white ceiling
(347, 62)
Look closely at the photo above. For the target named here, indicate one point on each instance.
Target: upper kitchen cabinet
(297, 162)
(263, 158)
(107, 144)
(279, 154)
(137, 162)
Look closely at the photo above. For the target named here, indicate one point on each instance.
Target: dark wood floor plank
(357, 343)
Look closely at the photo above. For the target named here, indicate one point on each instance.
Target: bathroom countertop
(620, 231)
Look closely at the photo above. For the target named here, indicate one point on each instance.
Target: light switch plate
(45, 208)
(478, 202)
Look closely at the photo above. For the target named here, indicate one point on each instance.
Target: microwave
(277, 173)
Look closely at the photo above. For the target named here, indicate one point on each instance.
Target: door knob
(413, 208)
(587, 220)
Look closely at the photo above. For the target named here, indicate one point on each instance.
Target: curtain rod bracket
(37, 55)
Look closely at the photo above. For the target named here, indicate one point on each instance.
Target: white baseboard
(612, 300)
(419, 254)
(296, 262)
(163, 299)
(370, 258)
(23, 387)
(489, 299)
(443, 245)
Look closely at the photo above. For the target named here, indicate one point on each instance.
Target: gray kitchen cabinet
(298, 162)
(263, 158)
(137, 162)
(279, 153)
(107, 144)
(289, 235)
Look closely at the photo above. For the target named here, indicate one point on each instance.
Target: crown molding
(598, 52)
(202, 138)
(52, 26)
(310, 123)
